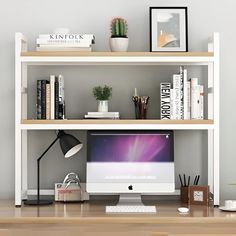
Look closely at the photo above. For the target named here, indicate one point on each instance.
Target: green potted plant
(119, 40)
(102, 95)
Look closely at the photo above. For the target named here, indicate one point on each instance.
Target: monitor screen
(116, 159)
(130, 147)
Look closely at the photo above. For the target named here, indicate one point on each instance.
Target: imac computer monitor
(122, 162)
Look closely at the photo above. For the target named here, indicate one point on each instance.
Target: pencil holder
(141, 106)
(184, 194)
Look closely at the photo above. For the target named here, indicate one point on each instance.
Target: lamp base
(37, 202)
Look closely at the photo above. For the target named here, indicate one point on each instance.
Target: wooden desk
(91, 219)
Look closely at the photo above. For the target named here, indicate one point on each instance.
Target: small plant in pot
(119, 40)
(102, 95)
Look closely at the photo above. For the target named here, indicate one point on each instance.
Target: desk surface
(94, 212)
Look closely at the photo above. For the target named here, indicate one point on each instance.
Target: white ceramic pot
(119, 44)
(103, 106)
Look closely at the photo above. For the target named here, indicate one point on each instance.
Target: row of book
(51, 98)
(102, 115)
(65, 42)
(183, 99)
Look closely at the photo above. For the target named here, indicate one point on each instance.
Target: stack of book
(184, 100)
(51, 98)
(102, 115)
(65, 42)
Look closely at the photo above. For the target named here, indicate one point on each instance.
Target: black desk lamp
(69, 146)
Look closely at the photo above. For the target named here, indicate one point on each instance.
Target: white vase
(119, 44)
(103, 106)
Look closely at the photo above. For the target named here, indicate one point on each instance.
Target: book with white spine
(182, 92)
(201, 104)
(52, 90)
(103, 113)
(61, 97)
(177, 97)
(165, 101)
(60, 37)
(195, 98)
(185, 94)
(188, 100)
(63, 49)
(172, 104)
(65, 45)
(64, 42)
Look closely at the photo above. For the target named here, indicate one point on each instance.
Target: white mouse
(183, 210)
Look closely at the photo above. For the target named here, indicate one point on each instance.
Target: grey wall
(32, 18)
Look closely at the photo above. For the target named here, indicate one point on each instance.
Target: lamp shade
(69, 144)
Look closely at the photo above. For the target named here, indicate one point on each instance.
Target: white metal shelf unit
(24, 58)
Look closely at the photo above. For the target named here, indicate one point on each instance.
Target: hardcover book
(195, 98)
(43, 96)
(56, 99)
(181, 92)
(165, 101)
(68, 37)
(201, 104)
(61, 98)
(177, 97)
(52, 90)
(48, 101)
(63, 49)
(39, 100)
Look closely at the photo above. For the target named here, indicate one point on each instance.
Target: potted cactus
(119, 40)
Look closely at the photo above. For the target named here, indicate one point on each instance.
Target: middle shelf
(99, 124)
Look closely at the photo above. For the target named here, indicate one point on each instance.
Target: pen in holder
(140, 105)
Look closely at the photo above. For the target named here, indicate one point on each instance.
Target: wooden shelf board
(115, 54)
(135, 122)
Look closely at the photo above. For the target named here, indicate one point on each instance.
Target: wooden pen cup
(184, 194)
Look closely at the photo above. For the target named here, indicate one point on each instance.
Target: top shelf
(116, 58)
(116, 54)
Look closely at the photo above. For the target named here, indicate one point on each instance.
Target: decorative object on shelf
(168, 29)
(119, 40)
(63, 40)
(198, 195)
(69, 146)
(69, 190)
(140, 105)
(102, 115)
(102, 95)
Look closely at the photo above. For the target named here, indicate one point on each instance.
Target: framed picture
(198, 195)
(168, 29)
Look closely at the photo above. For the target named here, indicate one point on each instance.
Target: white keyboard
(130, 209)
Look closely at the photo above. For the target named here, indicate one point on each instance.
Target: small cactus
(119, 28)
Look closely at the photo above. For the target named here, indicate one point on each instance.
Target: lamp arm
(48, 148)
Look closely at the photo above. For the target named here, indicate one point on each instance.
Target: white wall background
(33, 17)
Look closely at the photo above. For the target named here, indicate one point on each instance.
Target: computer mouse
(183, 210)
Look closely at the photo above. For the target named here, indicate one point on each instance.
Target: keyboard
(130, 209)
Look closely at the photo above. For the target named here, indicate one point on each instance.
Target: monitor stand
(130, 199)
(130, 203)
